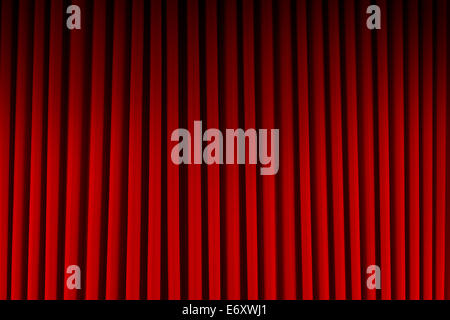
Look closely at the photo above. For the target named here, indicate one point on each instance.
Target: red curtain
(86, 176)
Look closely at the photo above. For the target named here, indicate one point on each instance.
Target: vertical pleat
(117, 207)
(412, 150)
(228, 95)
(447, 190)
(155, 153)
(213, 173)
(286, 186)
(78, 72)
(426, 143)
(265, 99)
(351, 142)
(37, 169)
(97, 141)
(366, 145)
(22, 135)
(173, 207)
(319, 202)
(304, 151)
(335, 135)
(6, 77)
(194, 171)
(251, 204)
(54, 280)
(441, 74)
(133, 273)
(382, 115)
(397, 143)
